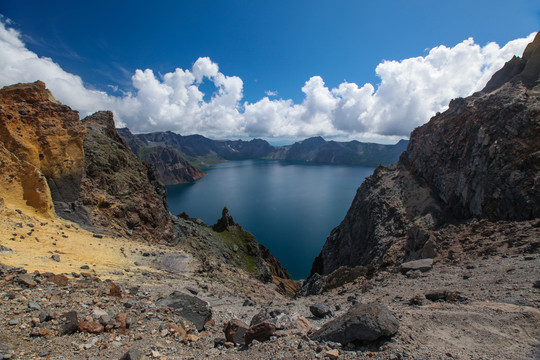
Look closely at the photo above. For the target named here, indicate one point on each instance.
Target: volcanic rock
(235, 331)
(280, 318)
(363, 322)
(261, 332)
(90, 326)
(71, 323)
(120, 186)
(189, 307)
(41, 147)
(421, 265)
(58, 280)
(26, 280)
(480, 159)
(133, 354)
(225, 222)
(321, 310)
(314, 285)
(444, 295)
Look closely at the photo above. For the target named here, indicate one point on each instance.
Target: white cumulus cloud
(410, 92)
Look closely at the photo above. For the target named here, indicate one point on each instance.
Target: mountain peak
(477, 160)
(525, 69)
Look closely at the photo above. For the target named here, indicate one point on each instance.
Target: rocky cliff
(82, 171)
(40, 140)
(119, 191)
(479, 160)
(52, 163)
(169, 164)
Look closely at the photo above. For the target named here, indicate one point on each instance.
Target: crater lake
(290, 207)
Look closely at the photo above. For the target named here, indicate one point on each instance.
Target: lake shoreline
(290, 207)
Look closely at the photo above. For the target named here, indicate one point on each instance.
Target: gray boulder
(321, 310)
(312, 286)
(189, 307)
(280, 318)
(71, 323)
(133, 354)
(421, 265)
(363, 322)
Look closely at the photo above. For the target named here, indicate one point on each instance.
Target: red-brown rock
(90, 326)
(58, 280)
(261, 332)
(122, 319)
(235, 331)
(114, 290)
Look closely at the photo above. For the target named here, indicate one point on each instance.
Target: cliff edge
(470, 173)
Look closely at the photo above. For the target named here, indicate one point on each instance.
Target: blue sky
(302, 56)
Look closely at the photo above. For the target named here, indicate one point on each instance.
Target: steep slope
(226, 242)
(169, 164)
(480, 159)
(43, 138)
(170, 167)
(121, 192)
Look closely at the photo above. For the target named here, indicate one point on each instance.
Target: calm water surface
(290, 208)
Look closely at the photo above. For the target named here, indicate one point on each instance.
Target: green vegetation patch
(245, 245)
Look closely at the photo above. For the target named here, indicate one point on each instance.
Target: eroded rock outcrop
(226, 242)
(119, 187)
(83, 171)
(480, 159)
(41, 139)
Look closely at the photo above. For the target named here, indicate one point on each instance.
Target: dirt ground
(492, 310)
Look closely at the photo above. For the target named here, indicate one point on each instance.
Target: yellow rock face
(23, 186)
(39, 137)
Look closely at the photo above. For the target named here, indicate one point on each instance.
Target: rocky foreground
(482, 309)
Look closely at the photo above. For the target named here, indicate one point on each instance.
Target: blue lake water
(291, 208)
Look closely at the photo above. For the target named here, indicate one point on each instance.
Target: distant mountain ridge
(197, 151)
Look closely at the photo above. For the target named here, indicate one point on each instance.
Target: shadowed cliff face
(168, 163)
(480, 159)
(44, 138)
(118, 186)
